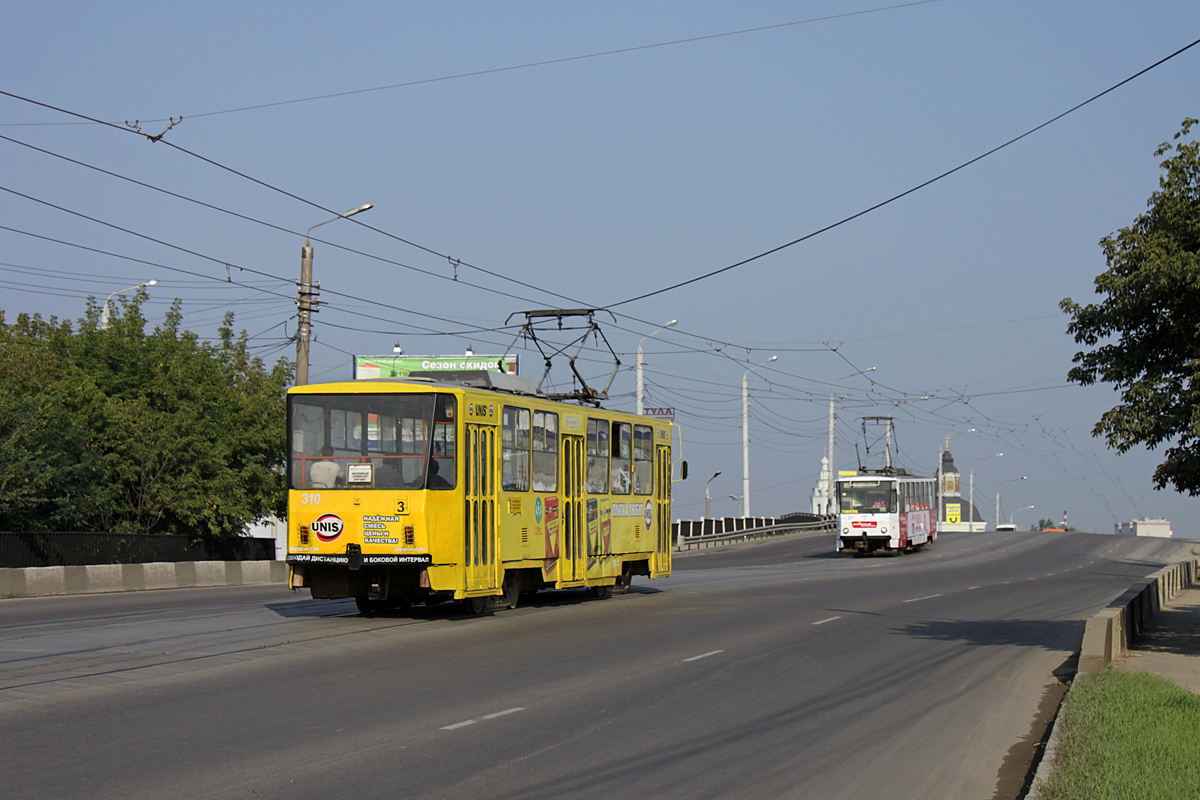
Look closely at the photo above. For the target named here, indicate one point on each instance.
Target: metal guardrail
(781, 529)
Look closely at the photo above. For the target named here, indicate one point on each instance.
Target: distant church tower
(822, 496)
(953, 512)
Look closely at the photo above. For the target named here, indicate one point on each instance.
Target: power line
(905, 193)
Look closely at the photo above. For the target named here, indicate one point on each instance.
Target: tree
(1144, 336)
(134, 432)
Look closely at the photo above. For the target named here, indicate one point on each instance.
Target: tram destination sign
(660, 413)
(367, 367)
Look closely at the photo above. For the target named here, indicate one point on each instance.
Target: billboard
(392, 366)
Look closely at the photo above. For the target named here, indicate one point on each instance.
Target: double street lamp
(746, 437)
(306, 301)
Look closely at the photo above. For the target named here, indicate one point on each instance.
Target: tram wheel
(602, 592)
(624, 581)
(365, 604)
(474, 606)
(511, 591)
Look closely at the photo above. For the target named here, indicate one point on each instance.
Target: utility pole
(308, 301)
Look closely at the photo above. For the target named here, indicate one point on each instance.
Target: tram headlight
(883, 529)
(845, 530)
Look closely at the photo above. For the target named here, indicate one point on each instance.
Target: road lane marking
(822, 622)
(969, 588)
(704, 655)
(465, 723)
(926, 597)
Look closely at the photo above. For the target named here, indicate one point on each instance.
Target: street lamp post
(746, 437)
(1014, 480)
(1018, 511)
(104, 313)
(306, 301)
(941, 497)
(971, 509)
(707, 497)
(829, 451)
(640, 389)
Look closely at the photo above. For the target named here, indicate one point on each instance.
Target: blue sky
(600, 179)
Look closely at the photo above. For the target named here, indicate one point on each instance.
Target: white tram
(888, 510)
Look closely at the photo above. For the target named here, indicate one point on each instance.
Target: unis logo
(327, 527)
(648, 513)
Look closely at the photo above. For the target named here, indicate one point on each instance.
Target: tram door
(573, 523)
(661, 563)
(479, 524)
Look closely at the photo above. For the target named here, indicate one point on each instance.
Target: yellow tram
(423, 490)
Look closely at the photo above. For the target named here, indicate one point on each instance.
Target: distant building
(954, 514)
(1158, 528)
(822, 496)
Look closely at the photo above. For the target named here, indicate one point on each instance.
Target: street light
(104, 313)
(640, 390)
(306, 301)
(829, 454)
(1014, 480)
(1019, 510)
(971, 509)
(746, 437)
(941, 497)
(707, 497)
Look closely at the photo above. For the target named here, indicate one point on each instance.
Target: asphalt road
(768, 670)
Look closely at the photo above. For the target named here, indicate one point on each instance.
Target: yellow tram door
(479, 523)
(574, 555)
(660, 563)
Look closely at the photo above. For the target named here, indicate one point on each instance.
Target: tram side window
(514, 475)
(444, 446)
(545, 451)
(643, 459)
(622, 457)
(597, 456)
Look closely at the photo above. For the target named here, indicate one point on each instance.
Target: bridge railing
(814, 524)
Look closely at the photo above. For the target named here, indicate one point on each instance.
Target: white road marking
(969, 588)
(465, 723)
(704, 655)
(822, 622)
(926, 597)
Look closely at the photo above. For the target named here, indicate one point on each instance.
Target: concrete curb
(1110, 634)
(42, 581)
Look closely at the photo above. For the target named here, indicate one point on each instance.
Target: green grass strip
(1126, 736)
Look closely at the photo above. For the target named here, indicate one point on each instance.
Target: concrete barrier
(41, 581)
(1110, 633)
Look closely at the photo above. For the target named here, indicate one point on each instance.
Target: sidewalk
(1170, 647)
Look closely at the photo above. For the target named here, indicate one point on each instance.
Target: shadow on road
(1050, 634)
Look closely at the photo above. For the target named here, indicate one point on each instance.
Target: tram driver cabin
(420, 490)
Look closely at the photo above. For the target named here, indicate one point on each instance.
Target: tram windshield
(866, 497)
(367, 441)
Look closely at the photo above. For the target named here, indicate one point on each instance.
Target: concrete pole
(746, 437)
(971, 509)
(640, 388)
(306, 302)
